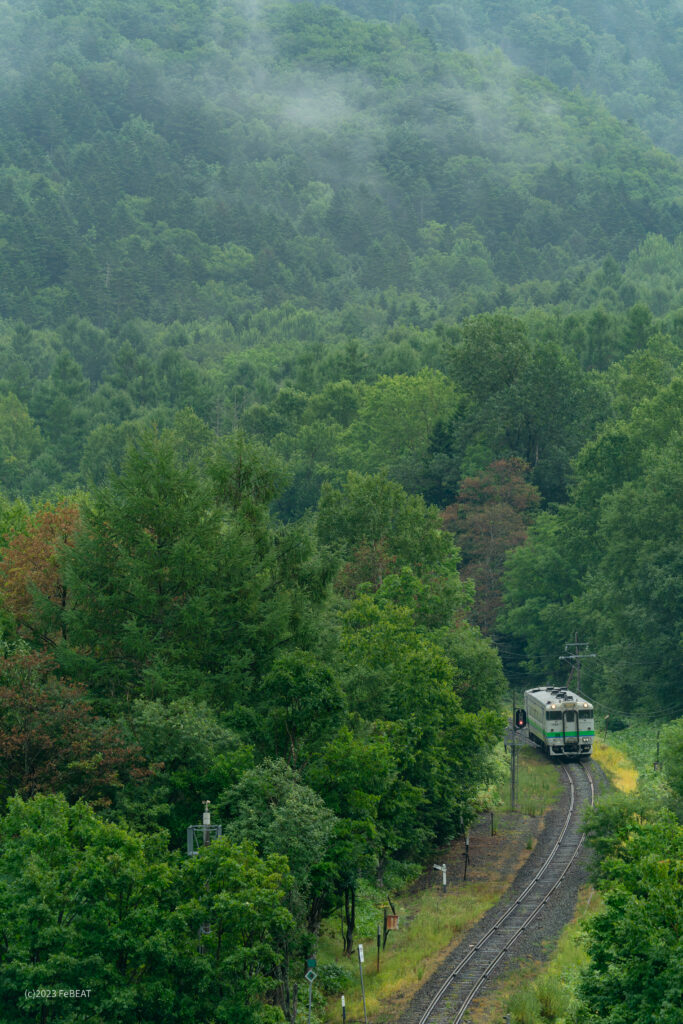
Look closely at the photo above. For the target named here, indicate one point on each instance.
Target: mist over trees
(340, 385)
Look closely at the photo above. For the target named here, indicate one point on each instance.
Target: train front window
(569, 716)
(553, 716)
(583, 715)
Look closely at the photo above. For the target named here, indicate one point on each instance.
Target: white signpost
(361, 961)
(442, 869)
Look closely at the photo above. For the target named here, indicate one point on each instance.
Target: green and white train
(560, 721)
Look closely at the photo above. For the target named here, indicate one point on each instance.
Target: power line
(576, 658)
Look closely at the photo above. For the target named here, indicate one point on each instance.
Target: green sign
(311, 962)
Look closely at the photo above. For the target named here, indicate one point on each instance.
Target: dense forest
(340, 388)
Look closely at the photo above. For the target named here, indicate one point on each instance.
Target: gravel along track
(530, 903)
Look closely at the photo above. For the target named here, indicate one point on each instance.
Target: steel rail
(446, 985)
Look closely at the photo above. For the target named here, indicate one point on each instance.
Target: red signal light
(520, 718)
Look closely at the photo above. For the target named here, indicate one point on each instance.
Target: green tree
(634, 598)
(635, 943)
(87, 904)
(392, 430)
(523, 398)
(354, 771)
(242, 899)
(672, 760)
(192, 756)
(624, 596)
(372, 521)
(179, 579)
(401, 675)
(296, 703)
(84, 905)
(20, 443)
(271, 807)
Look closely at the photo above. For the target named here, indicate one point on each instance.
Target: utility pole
(576, 658)
(513, 757)
(513, 772)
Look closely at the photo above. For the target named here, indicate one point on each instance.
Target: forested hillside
(202, 161)
(626, 51)
(340, 387)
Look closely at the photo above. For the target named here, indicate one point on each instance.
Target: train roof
(556, 695)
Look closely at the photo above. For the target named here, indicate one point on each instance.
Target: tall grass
(538, 784)
(429, 924)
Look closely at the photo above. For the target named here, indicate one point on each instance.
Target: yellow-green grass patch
(617, 766)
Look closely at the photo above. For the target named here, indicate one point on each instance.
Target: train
(559, 721)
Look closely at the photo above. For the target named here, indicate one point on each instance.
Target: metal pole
(361, 960)
(379, 942)
(310, 996)
(513, 768)
(513, 754)
(343, 1010)
(206, 822)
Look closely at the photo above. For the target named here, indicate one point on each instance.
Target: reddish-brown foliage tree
(31, 583)
(50, 741)
(490, 516)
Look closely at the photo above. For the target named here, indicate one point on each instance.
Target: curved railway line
(446, 999)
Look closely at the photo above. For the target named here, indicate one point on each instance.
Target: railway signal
(520, 718)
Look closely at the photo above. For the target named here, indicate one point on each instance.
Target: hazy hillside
(205, 159)
(626, 51)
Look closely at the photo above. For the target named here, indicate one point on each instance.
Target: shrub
(332, 978)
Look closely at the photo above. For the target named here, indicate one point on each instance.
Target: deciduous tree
(32, 582)
(50, 740)
(488, 519)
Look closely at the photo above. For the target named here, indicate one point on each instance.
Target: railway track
(448, 997)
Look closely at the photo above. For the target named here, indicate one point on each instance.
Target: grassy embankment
(431, 923)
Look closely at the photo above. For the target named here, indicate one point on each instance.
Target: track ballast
(446, 999)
